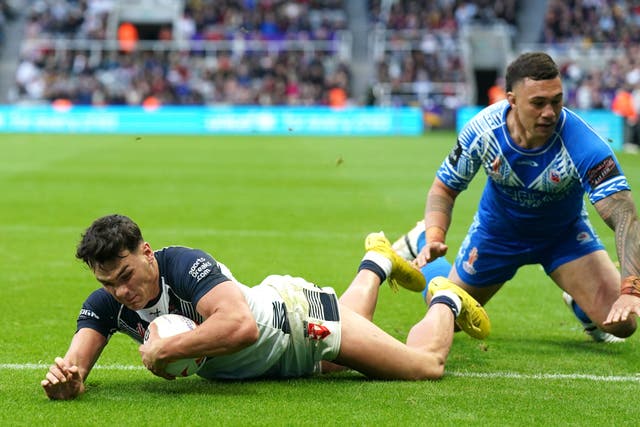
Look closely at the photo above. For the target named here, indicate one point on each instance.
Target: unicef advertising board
(213, 120)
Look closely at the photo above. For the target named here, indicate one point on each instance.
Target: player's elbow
(252, 334)
(246, 334)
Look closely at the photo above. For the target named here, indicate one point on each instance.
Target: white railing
(443, 90)
(341, 45)
(422, 94)
(586, 55)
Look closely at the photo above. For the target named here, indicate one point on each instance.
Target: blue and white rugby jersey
(532, 193)
(186, 275)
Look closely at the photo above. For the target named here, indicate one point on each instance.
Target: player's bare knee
(430, 370)
(432, 373)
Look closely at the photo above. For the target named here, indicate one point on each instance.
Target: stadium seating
(300, 52)
(291, 54)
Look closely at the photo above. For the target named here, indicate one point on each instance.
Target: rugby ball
(174, 324)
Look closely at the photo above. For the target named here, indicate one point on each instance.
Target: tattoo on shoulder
(616, 208)
(620, 214)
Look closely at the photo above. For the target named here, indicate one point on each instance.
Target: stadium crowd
(423, 63)
(240, 75)
(244, 52)
(412, 15)
(592, 21)
(610, 82)
(238, 72)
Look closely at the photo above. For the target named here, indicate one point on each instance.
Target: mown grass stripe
(463, 374)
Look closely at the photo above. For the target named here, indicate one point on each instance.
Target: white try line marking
(37, 366)
(463, 374)
(515, 375)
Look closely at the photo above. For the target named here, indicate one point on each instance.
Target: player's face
(537, 105)
(132, 278)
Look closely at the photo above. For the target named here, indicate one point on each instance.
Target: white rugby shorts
(314, 318)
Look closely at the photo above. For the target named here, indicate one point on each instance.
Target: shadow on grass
(513, 353)
(534, 354)
(200, 386)
(543, 346)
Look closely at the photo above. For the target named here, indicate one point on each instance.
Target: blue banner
(213, 120)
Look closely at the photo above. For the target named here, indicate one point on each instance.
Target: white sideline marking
(488, 375)
(515, 375)
(35, 366)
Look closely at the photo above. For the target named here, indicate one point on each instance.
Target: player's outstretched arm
(65, 378)
(619, 212)
(437, 218)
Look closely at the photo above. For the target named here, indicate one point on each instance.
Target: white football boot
(407, 245)
(590, 328)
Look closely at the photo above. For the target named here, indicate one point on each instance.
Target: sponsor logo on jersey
(454, 155)
(468, 264)
(155, 313)
(200, 269)
(527, 162)
(603, 171)
(85, 313)
(584, 237)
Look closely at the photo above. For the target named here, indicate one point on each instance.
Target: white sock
(451, 296)
(380, 260)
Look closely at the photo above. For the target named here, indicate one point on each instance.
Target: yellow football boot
(472, 319)
(403, 273)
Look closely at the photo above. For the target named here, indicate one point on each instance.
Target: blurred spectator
(231, 73)
(127, 37)
(422, 61)
(497, 92)
(623, 105)
(592, 21)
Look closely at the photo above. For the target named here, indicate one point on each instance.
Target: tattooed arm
(619, 212)
(437, 219)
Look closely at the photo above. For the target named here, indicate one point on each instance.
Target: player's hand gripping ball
(172, 324)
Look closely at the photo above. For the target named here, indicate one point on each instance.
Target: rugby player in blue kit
(540, 160)
(283, 327)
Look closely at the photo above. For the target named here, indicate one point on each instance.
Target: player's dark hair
(532, 65)
(106, 238)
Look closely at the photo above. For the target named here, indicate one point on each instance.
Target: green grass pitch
(262, 205)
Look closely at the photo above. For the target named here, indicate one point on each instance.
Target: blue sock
(581, 315)
(437, 267)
